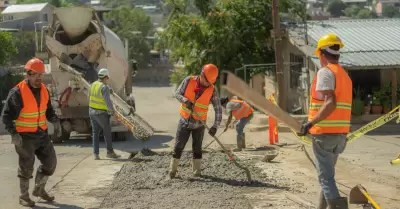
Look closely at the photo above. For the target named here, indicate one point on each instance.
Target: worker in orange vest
(195, 93)
(25, 116)
(329, 118)
(243, 113)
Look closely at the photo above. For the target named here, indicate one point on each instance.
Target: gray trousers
(182, 137)
(101, 122)
(43, 149)
(326, 148)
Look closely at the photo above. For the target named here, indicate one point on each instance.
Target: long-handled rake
(231, 157)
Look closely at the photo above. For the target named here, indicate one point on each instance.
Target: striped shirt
(190, 122)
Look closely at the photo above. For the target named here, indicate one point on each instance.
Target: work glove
(305, 128)
(398, 120)
(212, 131)
(16, 139)
(189, 105)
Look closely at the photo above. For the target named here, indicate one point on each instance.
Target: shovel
(231, 157)
(358, 195)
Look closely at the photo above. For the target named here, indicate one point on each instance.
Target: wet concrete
(143, 183)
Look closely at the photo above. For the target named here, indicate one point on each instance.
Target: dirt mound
(143, 183)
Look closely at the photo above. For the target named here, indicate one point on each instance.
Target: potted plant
(387, 106)
(376, 107)
(358, 105)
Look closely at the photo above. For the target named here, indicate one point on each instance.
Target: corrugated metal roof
(371, 42)
(21, 8)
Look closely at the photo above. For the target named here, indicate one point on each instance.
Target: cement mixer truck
(76, 45)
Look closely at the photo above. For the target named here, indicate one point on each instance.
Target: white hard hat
(103, 73)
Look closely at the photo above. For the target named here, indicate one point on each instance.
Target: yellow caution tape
(396, 161)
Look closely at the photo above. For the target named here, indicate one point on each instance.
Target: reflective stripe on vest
(200, 105)
(32, 115)
(243, 111)
(339, 120)
(96, 99)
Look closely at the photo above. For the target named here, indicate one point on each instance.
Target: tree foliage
(229, 34)
(7, 49)
(390, 12)
(134, 25)
(336, 8)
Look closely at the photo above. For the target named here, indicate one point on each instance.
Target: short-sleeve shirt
(231, 106)
(325, 81)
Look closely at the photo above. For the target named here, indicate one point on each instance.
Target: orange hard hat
(210, 72)
(35, 65)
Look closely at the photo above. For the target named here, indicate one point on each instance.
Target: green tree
(134, 25)
(390, 12)
(364, 14)
(7, 49)
(230, 34)
(336, 8)
(352, 11)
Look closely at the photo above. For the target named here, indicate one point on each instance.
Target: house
(27, 16)
(370, 56)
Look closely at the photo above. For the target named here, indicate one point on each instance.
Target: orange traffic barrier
(273, 125)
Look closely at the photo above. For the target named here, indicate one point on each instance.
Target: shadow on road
(157, 141)
(233, 182)
(57, 205)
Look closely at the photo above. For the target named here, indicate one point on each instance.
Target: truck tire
(64, 137)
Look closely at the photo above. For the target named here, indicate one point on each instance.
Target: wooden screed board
(239, 88)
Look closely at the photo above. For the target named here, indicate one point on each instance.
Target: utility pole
(277, 35)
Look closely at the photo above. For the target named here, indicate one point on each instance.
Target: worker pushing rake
(196, 93)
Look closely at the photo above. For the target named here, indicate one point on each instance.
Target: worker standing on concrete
(195, 93)
(243, 113)
(25, 116)
(329, 118)
(100, 111)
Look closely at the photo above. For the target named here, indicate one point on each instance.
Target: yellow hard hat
(328, 40)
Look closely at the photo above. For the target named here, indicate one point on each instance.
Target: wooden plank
(239, 88)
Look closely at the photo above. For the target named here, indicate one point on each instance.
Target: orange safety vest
(243, 111)
(338, 122)
(200, 105)
(32, 115)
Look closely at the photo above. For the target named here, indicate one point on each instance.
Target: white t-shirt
(325, 81)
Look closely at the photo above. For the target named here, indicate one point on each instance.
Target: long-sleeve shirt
(105, 90)
(13, 107)
(190, 122)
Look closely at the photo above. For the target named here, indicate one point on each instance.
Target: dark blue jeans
(242, 123)
(101, 122)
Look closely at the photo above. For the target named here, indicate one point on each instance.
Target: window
(296, 63)
(45, 18)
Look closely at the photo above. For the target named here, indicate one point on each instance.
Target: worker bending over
(195, 93)
(329, 118)
(243, 113)
(25, 116)
(100, 111)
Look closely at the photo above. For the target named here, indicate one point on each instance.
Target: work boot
(173, 167)
(196, 167)
(113, 155)
(322, 204)
(96, 156)
(24, 199)
(240, 143)
(340, 203)
(244, 141)
(40, 184)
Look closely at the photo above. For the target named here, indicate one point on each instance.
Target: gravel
(143, 183)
